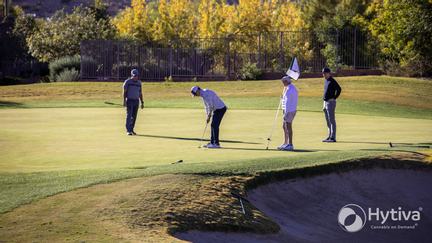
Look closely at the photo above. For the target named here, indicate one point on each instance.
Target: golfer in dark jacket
(332, 90)
(132, 95)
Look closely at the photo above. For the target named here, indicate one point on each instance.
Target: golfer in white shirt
(213, 106)
(289, 107)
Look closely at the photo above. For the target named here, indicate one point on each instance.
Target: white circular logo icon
(347, 213)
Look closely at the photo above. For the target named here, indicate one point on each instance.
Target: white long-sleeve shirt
(211, 101)
(290, 99)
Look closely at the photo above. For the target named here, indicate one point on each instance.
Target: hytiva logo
(393, 215)
(352, 218)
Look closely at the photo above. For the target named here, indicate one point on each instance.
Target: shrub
(62, 34)
(412, 68)
(68, 75)
(62, 64)
(250, 71)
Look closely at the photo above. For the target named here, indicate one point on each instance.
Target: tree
(327, 18)
(286, 16)
(62, 34)
(253, 16)
(403, 29)
(176, 20)
(135, 22)
(213, 18)
(100, 9)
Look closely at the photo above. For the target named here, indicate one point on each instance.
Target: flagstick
(274, 122)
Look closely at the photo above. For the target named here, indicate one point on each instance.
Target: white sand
(306, 209)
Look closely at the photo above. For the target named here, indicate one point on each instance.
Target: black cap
(326, 70)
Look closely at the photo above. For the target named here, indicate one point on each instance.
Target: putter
(274, 122)
(202, 137)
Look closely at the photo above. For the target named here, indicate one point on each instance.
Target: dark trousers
(216, 121)
(132, 111)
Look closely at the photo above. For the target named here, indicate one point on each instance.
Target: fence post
(337, 50)
(282, 51)
(228, 58)
(355, 48)
(118, 60)
(259, 50)
(170, 61)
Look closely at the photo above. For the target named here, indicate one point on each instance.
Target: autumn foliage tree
(176, 20)
(135, 22)
(214, 19)
(205, 19)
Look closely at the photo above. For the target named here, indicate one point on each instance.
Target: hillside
(47, 8)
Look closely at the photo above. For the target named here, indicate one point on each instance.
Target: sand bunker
(307, 208)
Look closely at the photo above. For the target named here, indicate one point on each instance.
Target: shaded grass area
(198, 202)
(147, 208)
(22, 188)
(9, 104)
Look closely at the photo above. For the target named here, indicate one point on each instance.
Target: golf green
(54, 139)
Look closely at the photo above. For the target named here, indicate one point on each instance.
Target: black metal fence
(224, 58)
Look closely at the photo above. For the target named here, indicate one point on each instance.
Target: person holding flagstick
(289, 107)
(288, 102)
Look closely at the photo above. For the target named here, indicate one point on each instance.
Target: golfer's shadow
(263, 149)
(192, 139)
(393, 145)
(8, 104)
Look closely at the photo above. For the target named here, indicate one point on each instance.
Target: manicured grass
(399, 91)
(47, 151)
(314, 104)
(21, 188)
(92, 138)
(371, 95)
(73, 136)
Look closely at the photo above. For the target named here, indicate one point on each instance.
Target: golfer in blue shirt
(132, 95)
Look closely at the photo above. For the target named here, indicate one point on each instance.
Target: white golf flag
(294, 69)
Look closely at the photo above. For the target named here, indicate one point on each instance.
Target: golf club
(178, 161)
(274, 122)
(111, 103)
(202, 137)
